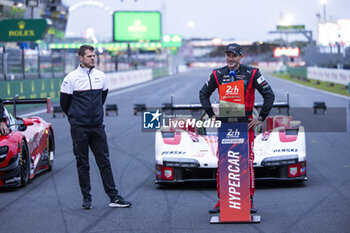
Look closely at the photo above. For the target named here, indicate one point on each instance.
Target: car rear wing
(170, 106)
(279, 105)
(16, 101)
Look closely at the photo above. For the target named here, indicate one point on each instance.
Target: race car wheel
(24, 163)
(50, 151)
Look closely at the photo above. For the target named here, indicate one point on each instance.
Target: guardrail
(339, 76)
(42, 88)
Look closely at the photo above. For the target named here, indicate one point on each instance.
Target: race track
(51, 202)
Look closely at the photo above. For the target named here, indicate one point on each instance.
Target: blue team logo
(152, 120)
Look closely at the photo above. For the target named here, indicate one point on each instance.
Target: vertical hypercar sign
(234, 172)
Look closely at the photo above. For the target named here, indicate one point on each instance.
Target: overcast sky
(229, 19)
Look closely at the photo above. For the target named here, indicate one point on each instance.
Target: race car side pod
(16, 101)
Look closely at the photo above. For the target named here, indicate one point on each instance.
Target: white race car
(184, 153)
(280, 151)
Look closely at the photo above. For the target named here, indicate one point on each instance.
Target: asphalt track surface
(51, 202)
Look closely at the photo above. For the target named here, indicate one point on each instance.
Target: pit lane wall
(339, 76)
(42, 88)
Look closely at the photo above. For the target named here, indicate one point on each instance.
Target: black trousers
(95, 138)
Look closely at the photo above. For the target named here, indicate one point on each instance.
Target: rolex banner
(232, 99)
(234, 172)
(23, 29)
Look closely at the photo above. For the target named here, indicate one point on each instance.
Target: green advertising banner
(36, 88)
(290, 27)
(136, 26)
(23, 29)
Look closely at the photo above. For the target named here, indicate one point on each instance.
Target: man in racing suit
(252, 80)
(83, 93)
(3, 127)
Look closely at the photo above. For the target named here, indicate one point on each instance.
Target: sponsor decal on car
(199, 155)
(173, 152)
(293, 171)
(12, 180)
(285, 150)
(167, 173)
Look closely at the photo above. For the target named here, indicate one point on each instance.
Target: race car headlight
(280, 160)
(180, 162)
(3, 153)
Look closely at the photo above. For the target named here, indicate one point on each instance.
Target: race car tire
(24, 163)
(50, 148)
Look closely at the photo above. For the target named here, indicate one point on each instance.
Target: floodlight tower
(324, 2)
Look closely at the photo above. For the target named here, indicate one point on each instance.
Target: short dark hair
(81, 51)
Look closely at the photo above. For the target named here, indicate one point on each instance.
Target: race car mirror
(28, 122)
(234, 172)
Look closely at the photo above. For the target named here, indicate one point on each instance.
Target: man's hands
(254, 122)
(3, 128)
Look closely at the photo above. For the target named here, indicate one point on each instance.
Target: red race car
(28, 149)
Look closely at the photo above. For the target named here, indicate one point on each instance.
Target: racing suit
(3, 127)
(2, 112)
(252, 80)
(83, 93)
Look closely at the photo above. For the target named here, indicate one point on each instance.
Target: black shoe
(86, 205)
(252, 208)
(215, 210)
(119, 202)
